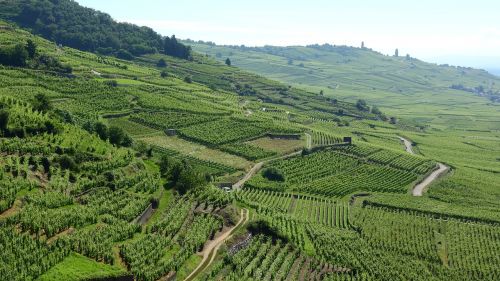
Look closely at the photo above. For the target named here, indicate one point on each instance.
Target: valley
(136, 158)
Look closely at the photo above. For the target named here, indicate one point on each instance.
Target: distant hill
(494, 71)
(402, 86)
(66, 22)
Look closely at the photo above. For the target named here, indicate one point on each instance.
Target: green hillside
(113, 169)
(401, 86)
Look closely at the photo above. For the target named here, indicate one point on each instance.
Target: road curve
(256, 168)
(408, 145)
(210, 250)
(419, 189)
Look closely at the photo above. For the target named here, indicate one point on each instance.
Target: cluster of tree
(174, 48)
(263, 227)
(66, 22)
(181, 174)
(27, 56)
(246, 90)
(361, 105)
(114, 135)
(21, 130)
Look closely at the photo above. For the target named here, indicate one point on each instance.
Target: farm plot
(335, 174)
(229, 130)
(188, 149)
(264, 259)
(302, 208)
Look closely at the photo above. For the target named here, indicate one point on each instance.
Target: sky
(458, 32)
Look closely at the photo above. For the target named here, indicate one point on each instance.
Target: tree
(14, 56)
(361, 105)
(112, 83)
(396, 53)
(116, 135)
(164, 74)
(173, 48)
(228, 62)
(321, 93)
(101, 130)
(189, 180)
(31, 48)
(175, 172)
(165, 165)
(4, 120)
(67, 163)
(124, 55)
(376, 111)
(290, 61)
(362, 44)
(42, 103)
(162, 63)
(188, 79)
(273, 174)
(393, 120)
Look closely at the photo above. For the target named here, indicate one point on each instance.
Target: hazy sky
(463, 32)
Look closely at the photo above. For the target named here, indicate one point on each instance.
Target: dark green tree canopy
(66, 22)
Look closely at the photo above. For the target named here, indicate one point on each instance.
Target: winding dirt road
(418, 190)
(256, 168)
(210, 250)
(408, 145)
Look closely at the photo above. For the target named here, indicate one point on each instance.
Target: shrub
(273, 174)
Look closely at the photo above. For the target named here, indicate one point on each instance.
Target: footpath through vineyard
(418, 190)
(256, 168)
(211, 248)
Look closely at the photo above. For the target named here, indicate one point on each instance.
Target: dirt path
(408, 145)
(210, 250)
(418, 190)
(308, 141)
(256, 168)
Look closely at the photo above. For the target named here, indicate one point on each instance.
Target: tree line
(67, 23)
(27, 55)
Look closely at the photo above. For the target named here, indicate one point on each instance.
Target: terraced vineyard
(346, 169)
(300, 207)
(122, 166)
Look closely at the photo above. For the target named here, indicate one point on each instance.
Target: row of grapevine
(202, 166)
(324, 139)
(304, 208)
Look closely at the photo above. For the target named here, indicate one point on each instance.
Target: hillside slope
(402, 86)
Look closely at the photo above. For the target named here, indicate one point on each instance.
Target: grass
(135, 130)
(164, 201)
(281, 146)
(198, 151)
(77, 267)
(188, 267)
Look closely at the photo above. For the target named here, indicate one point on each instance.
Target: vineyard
(124, 169)
(300, 207)
(340, 171)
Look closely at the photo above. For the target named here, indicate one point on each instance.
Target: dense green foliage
(66, 22)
